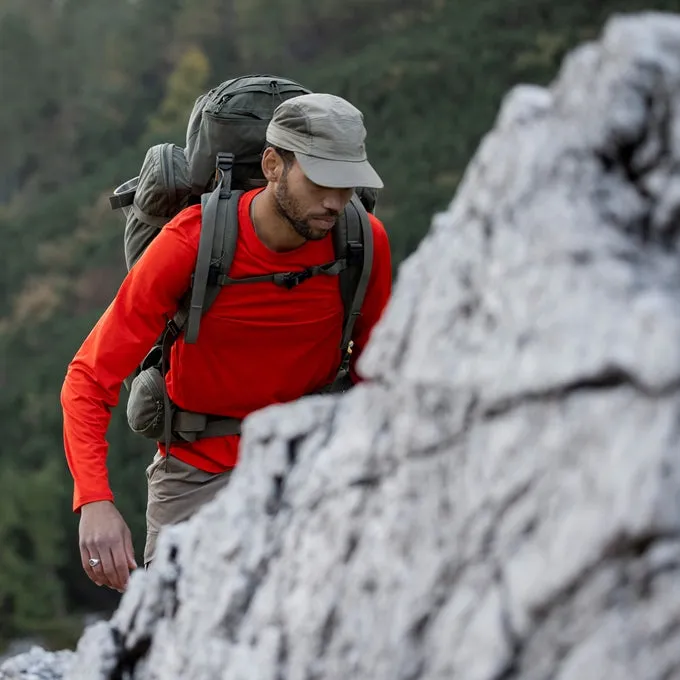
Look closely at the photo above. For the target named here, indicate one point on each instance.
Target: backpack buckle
(224, 161)
(291, 279)
(355, 252)
(173, 328)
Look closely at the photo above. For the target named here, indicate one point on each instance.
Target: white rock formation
(502, 499)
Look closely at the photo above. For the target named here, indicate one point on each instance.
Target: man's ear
(272, 165)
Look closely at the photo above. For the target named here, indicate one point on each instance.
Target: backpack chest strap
(284, 279)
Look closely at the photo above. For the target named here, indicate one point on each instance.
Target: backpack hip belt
(188, 426)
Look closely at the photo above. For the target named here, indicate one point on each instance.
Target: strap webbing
(188, 426)
(358, 222)
(226, 236)
(230, 236)
(169, 337)
(358, 226)
(200, 282)
(118, 201)
(152, 220)
(288, 279)
(214, 211)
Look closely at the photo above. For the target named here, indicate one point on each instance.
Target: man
(259, 343)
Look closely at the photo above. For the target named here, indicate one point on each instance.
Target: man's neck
(274, 230)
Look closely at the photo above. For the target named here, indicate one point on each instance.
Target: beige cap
(327, 135)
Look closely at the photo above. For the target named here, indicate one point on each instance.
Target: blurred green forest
(87, 86)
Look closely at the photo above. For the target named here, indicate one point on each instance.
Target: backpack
(224, 144)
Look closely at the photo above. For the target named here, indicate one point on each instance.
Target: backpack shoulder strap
(354, 244)
(216, 248)
(225, 237)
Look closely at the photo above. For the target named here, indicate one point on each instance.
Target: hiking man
(259, 344)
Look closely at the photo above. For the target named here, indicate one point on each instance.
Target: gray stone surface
(502, 499)
(37, 664)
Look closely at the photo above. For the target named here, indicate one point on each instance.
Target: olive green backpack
(224, 144)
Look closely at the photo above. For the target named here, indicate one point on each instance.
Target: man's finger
(98, 574)
(130, 550)
(85, 555)
(110, 576)
(120, 564)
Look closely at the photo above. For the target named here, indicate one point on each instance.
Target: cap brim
(339, 174)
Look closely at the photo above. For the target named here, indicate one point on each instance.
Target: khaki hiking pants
(175, 493)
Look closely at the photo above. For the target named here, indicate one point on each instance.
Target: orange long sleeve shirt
(258, 344)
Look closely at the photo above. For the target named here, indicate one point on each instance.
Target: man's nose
(337, 200)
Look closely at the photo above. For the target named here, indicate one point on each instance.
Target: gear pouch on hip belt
(146, 404)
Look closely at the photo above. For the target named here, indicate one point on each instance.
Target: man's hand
(105, 536)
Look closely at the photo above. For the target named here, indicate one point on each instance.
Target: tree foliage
(185, 83)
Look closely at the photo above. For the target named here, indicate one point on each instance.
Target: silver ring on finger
(94, 561)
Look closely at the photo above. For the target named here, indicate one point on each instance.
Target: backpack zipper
(222, 94)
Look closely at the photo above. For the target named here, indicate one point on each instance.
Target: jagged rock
(502, 499)
(37, 664)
